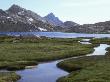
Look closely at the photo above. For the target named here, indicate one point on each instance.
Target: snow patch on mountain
(42, 29)
(31, 19)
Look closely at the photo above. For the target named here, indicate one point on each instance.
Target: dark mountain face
(58, 24)
(15, 9)
(53, 20)
(20, 19)
(3, 13)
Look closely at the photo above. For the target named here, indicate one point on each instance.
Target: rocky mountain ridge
(17, 19)
(53, 20)
(101, 27)
(59, 24)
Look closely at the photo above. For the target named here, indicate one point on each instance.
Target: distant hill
(101, 27)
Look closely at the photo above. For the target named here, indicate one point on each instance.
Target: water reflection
(49, 72)
(101, 50)
(46, 72)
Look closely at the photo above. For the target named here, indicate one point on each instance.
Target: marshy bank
(9, 77)
(17, 53)
(88, 68)
(47, 72)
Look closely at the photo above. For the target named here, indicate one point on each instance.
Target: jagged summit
(57, 22)
(18, 19)
(51, 15)
(15, 8)
(53, 19)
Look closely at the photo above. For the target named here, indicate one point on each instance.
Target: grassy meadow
(88, 69)
(16, 53)
(100, 40)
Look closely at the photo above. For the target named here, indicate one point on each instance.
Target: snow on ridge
(31, 19)
(8, 17)
(42, 29)
(21, 13)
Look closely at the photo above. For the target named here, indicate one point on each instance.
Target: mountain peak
(14, 5)
(51, 14)
(15, 8)
(51, 18)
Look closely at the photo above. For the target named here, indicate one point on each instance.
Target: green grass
(100, 40)
(86, 69)
(16, 65)
(15, 51)
(8, 77)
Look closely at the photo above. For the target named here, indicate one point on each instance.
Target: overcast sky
(79, 11)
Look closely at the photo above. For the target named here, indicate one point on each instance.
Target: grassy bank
(100, 40)
(16, 53)
(8, 77)
(88, 69)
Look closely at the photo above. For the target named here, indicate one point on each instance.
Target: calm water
(58, 34)
(48, 72)
(85, 41)
(101, 50)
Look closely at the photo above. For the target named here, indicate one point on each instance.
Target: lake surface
(57, 34)
(49, 72)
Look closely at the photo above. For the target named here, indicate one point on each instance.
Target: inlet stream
(49, 72)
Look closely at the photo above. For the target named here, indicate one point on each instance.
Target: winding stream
(46, 72)
(100, 50)
(49, 72)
